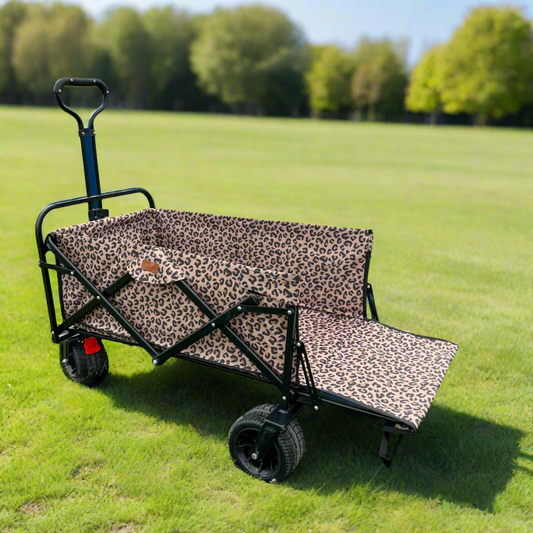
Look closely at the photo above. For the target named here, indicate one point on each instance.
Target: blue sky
(424, 22)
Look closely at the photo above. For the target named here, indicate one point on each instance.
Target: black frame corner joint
(97, 214)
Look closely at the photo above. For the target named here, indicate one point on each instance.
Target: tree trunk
(433, 117)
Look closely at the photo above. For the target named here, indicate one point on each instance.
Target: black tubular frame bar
(78, 201)
(43, 249)
(371, 302)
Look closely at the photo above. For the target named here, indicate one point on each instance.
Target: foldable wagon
(279, 302)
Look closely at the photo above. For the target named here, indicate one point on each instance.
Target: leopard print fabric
(321, 269)
(394, 372)
(162, 313)
(330, 261)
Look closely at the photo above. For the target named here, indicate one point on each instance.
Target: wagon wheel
(84, 360)
(282, 458)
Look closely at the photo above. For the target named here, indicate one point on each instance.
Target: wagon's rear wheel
(84, 360)
(282, 458)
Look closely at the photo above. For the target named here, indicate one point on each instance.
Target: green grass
(452, 212)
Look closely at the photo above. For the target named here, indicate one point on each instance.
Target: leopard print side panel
(330, 261)
(161, 312)
(142, 227)
(214, 236)
(375, 365)
(166, 270)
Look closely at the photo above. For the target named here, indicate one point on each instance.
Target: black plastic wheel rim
(268, 468)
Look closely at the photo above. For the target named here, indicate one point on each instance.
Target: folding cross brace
(249, 304)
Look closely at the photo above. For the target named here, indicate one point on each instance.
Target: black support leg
(400, 430)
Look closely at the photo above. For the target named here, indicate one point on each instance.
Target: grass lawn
(452, 212)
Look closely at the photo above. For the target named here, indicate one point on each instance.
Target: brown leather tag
(149, 266)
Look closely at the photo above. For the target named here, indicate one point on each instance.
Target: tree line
(253, 59)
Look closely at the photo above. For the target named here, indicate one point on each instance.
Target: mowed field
(452, 213)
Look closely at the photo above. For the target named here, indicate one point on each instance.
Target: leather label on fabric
(149, 266)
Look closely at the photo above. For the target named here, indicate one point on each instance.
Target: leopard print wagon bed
(320, 270)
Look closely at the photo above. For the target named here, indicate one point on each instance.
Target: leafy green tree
(51, 42)
(488, 64)
(394, 86)
(366, 89)
(369, 50)
(11, 16)
(328, 80)
(253, 56)
(172, 32)
(379, 81)
(68, 41)
(30, 55)
(425, 87)
(314, 51)
(131, 47)
(101, 64)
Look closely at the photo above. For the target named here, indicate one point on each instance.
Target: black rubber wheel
(280, 461)
(80, 366)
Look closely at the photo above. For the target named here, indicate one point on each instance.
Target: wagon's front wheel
(282, 458)
(84, 360)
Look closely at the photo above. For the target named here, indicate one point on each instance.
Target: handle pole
(88, 144)
(90, 167)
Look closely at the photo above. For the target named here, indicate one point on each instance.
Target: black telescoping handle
(88, 144)
(80, 82)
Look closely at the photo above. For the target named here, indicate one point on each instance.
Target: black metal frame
(293, 395)
(43, 247)
(66, 330)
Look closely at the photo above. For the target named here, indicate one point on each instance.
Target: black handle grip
(80, 82)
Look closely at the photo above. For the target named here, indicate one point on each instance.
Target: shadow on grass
(454, 457)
